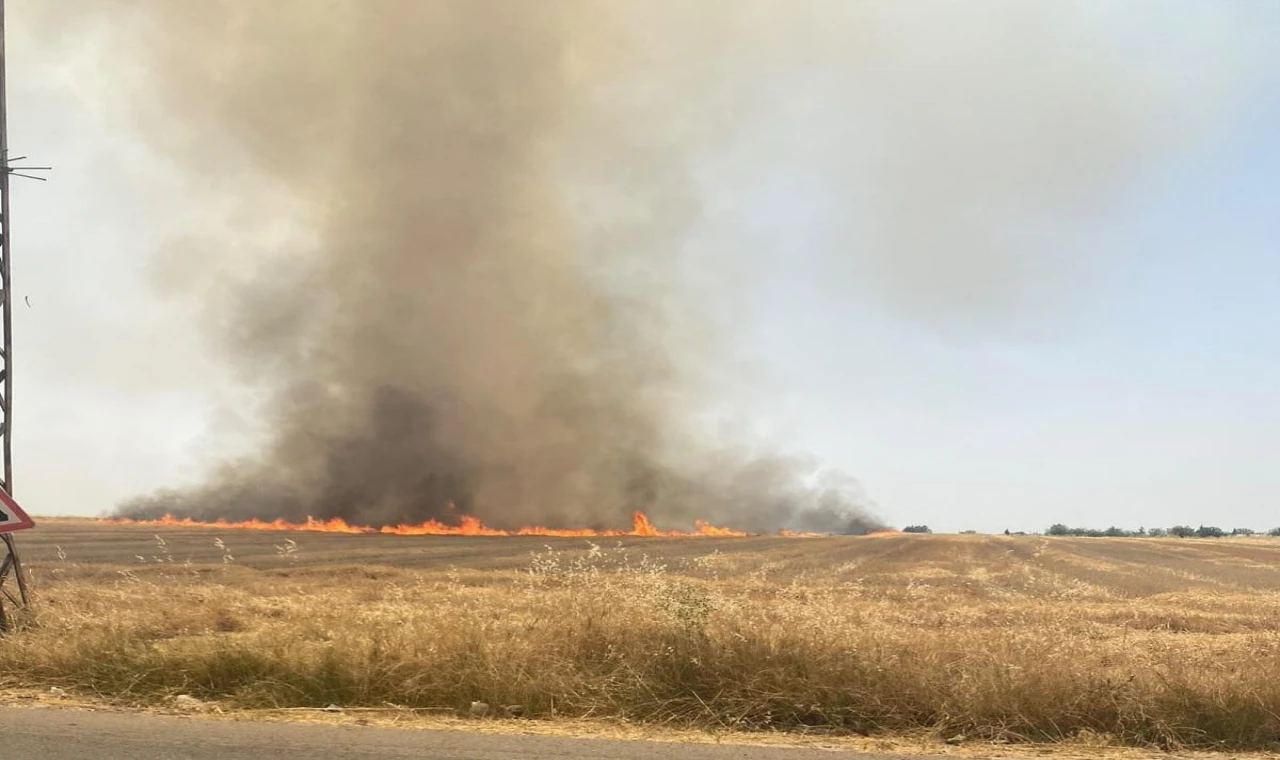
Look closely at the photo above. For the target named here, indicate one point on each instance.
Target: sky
(1128, 375)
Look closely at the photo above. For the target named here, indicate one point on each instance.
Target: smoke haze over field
(444, 331)
(450, 240)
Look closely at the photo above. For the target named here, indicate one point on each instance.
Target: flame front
(467, 526)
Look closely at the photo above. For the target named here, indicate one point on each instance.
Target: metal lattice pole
(11, 564)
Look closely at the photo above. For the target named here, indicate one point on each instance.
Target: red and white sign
(11, 515)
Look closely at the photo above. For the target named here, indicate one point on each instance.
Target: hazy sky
(992, 318)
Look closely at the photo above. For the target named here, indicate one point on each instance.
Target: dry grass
(1161, 643)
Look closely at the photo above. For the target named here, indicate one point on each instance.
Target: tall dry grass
(1012, 651)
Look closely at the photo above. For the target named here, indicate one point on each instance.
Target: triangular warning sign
(11, 515)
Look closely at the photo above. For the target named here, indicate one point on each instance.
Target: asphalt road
(58, 734)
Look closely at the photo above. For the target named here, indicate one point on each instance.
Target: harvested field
(1149, 642)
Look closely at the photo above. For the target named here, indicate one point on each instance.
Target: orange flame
(467, 526)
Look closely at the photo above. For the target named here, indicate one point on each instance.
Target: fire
(467, 526)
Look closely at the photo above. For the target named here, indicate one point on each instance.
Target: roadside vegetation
(973, 638)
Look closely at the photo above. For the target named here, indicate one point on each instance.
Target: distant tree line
(1178, 531)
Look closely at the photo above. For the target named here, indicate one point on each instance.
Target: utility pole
(13, 517)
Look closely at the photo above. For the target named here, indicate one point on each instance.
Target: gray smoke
(445, 328)
(452, 247)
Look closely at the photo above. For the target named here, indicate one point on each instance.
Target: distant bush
(1210, 531)
(917, 529)
(1243, 531)
(1059, 529)
(968, 532)
(1274, 532)
(1182, 531)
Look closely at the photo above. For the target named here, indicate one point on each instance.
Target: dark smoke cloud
(477, 308)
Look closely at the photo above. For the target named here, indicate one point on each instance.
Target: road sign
(11, 515)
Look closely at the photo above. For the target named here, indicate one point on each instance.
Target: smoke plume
(474, 305)
(452, 240)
